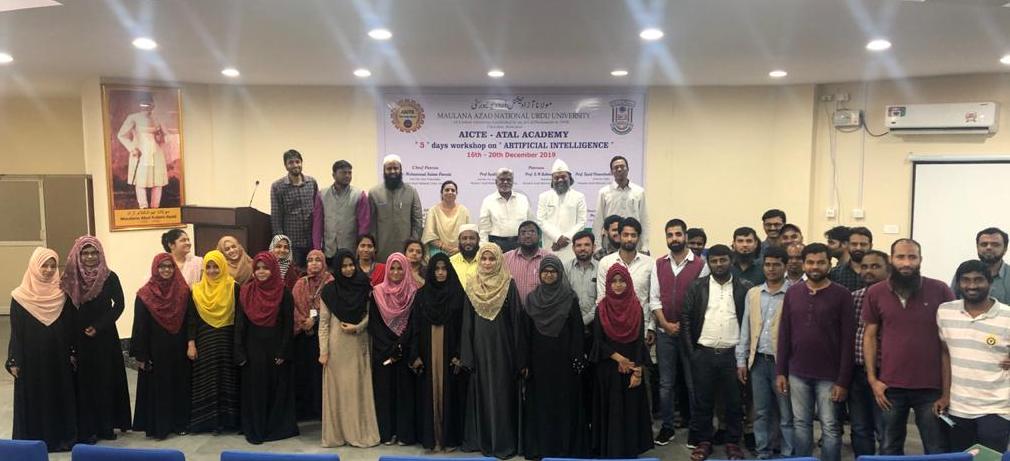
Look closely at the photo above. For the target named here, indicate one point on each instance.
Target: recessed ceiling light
(619, 73)
(362, 73)
(6, 58)
(144, 43)
(1005, 59)
(878, 45)
(380, 34)
(778, 73)
(495, 73)
(1006, 5)
(230, 72)
(651, 34)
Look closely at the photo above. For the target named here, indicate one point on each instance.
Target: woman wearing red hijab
(159, 344)
(393, 378)
(263, 330)
(622, 426)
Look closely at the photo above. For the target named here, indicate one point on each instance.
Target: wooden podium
(250, 226)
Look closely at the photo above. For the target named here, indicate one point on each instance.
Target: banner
(466, 136)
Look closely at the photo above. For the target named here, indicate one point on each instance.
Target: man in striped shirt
(976, 340)
(524, 262)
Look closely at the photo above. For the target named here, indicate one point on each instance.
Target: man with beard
(713, 310)
(612, 241)
(524, 262)
(772, 222)
(292, 199)
(623, 198)
(814, 355)
(901, 312)
(465, 262)
(867, 421)
(746, 257)
(561, 211)
(791, 234)
(696, 241)
(581, 273)
(847, 275)
(640, 267)
(673, 275)
(502, 212)
(341, 213)
(395, 208)
(838, 244)
(991, 244)
(974, 333)
(794, 265)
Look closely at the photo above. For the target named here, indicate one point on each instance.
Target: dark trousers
(714, 373)
(298, 256)
(672, 360)
(505, 243)
(990, 430)
(896, 419)
(864, 414)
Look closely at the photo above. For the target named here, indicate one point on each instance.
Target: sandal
(702, 451)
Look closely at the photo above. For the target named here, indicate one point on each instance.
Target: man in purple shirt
(902, 311)
(815, 352)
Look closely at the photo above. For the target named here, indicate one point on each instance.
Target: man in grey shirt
(341, 215)
(991, 244)
(396, 210)
(582, 274)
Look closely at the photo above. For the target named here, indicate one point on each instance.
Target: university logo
(407, 115)
(622, 115)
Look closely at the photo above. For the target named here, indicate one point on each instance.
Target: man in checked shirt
(867, 422)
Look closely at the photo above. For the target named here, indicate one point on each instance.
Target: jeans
(298, 256)
(767, 401)
(896, 420)
(864, 413)
(671, 358)
(806, 396)
(714, 373)
(990, 430)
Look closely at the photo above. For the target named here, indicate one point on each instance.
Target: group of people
(521, 334)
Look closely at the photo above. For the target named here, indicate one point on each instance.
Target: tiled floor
(209, 447)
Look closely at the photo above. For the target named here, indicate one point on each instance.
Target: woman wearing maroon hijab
(159, 344)
(263, 330)
(103, 398)
(622, 426)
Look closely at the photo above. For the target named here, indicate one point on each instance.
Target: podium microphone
(251, 197)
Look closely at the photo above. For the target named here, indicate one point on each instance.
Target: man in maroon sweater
(817, 330)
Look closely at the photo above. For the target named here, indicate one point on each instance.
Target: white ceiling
(536, 42)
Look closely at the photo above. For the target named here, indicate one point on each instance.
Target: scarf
(215, 297)
(550, 305)
(166, 299)
(261, 300)
(487, 290)
(395, 299)
(82, 283)
(620, 315)
(307, 289)
(240, 269)
(347, 297)
(284, 263)
(439, 300)
(41, 297)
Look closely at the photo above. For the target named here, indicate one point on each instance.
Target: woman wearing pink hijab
(40, 356)
(104, 399)
(393, 379)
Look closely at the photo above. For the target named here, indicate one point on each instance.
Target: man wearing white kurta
(561, 212)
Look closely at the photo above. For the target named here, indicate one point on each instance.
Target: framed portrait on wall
(143, 156)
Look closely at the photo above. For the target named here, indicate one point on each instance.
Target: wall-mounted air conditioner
(956, 118)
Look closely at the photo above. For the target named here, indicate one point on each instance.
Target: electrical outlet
(829, 213)
(841, 97)
(847, 118)
(827, 97)
(890, 228)
(858, 213)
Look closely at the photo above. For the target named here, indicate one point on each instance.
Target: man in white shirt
(561, 212)
(639, 265)
(622, 198)
(502, 212)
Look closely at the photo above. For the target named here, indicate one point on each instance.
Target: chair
(23, 450)
(232, 455)
(82, 452)
(593, 459)
(959, 456)
(433, 458)
(783, 459)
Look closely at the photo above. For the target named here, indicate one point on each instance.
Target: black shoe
(748, 441)
(665, 437)
(719, 438)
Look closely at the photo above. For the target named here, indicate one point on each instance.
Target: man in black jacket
(713, 310)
